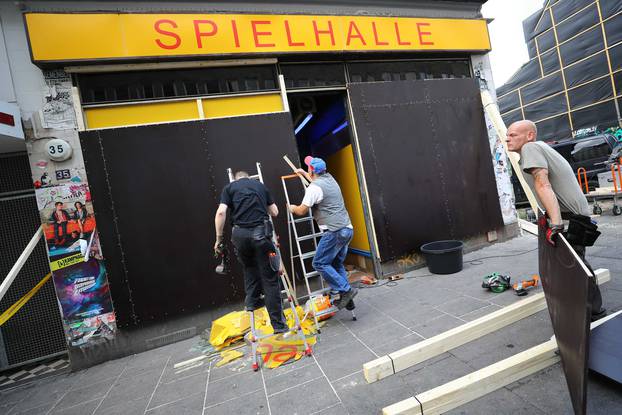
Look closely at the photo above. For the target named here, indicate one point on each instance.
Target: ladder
(254, 338)
(314, 235)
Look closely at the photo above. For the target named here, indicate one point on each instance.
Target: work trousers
(329, 257)
(594, 296)
(253, 250)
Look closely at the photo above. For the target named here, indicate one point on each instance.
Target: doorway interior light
(303, 123)
(340, 127)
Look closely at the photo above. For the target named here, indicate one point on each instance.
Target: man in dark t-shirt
(250, 203)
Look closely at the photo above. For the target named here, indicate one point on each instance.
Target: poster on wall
(76, 261)
(58, 112)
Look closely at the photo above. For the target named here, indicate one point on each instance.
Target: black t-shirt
(248, 200)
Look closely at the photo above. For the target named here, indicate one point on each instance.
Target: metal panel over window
(408, 70)
(164, 84)
(310, 75)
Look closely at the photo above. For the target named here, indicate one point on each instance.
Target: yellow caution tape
(4, 317)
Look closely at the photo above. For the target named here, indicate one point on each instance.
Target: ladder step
(312, 274)
(308, 255)
(322, 291)
(310, 236)
(330, 310)
(305, 219)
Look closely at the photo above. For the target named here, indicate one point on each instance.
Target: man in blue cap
(329, 211)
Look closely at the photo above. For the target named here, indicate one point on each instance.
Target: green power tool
(496, 282)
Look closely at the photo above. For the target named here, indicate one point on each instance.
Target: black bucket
(443, 257)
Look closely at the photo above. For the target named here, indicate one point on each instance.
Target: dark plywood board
(427, 161)
(565, 282)
(155, 192)
(606, 349)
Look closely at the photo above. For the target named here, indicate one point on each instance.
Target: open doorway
(322, 129)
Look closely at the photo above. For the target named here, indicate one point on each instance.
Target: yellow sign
(66, 262)
(75, 37)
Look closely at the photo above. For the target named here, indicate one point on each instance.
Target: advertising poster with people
(77, 263)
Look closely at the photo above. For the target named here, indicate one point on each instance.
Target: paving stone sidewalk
(331, 381)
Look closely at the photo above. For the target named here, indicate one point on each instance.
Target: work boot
(346, 298)
(599, 314)
(350, 306)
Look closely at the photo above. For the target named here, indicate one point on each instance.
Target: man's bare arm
(299, 210)
(545, 193)
(219, 220)
(273, 210)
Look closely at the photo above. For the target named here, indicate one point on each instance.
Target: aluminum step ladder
(254, 338)
(309, 273)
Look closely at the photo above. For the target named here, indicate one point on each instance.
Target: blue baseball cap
(317, 164)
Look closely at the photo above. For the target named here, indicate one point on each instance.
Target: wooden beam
(492, 110)
(528, 226)
(484, 381)
(409, 356)
(479, 383)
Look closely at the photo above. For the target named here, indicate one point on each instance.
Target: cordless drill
(222, 253)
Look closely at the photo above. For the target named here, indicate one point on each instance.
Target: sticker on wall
(92, 329)
(57, 112)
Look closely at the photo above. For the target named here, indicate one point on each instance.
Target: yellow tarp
(229, 356)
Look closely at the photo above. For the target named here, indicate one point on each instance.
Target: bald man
(552, 180)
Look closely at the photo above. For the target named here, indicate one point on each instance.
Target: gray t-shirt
(563, 180)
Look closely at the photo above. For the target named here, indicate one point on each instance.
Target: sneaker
(346, 298)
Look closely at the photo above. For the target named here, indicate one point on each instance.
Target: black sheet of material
(606, 349)
(550, 62)
(546, 41)
(583, 45)
(546, 108)
(588, 69)
(565, 283)
(543, 88)
(618, 81)
(509, 102)
(609, 8)
(564, 9)
(155, 192)
(557, 128)
(427, 161)
(531, 49)
(529, 25)
(578, 23)
(530, 71)
(590, 93)
(601, 115)
(512, 116)
(613, 30)
(615, 54)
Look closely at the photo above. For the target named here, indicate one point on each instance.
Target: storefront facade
(152, 106)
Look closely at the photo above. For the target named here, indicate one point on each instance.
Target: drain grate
(171, 337)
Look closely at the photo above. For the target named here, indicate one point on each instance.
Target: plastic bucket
(443, 257)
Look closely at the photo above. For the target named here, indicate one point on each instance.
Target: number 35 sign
(58, 150)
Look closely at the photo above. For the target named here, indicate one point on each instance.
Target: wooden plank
(402, 359)
(492, 110)
(481, 382)
(532, 228)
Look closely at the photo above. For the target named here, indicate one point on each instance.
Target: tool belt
(581, 230)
